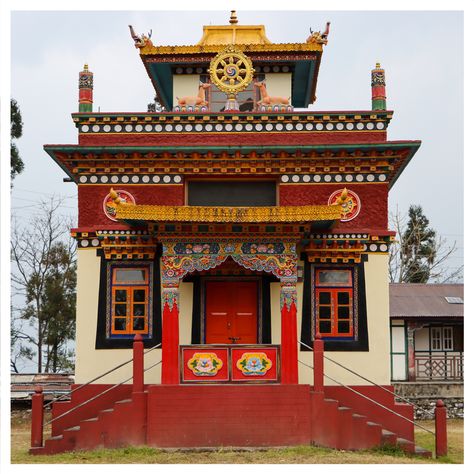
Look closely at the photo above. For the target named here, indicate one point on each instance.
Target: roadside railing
(440, 432)
(138, 377)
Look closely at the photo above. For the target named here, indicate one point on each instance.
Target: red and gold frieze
(118, 244)
(306, 164)
(346, 248)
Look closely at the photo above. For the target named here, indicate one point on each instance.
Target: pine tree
(418, 247)
(16, 131)
(419, 254)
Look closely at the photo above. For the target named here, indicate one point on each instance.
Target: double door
(231, 312)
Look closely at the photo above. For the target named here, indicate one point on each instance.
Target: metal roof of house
(22, 386)
(417, 300)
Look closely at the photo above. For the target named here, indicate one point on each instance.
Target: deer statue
(200, 99)
(270, 100)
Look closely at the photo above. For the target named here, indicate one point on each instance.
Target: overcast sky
(424, 73)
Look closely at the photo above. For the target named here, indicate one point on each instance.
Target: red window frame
(134, 298)
(334, 306)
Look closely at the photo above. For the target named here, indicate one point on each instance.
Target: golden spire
(86, 67)
(377, 65)
(233, 18)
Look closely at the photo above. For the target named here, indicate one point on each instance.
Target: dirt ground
(297, 455)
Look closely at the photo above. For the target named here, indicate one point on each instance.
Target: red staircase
(246, 415)
(213, 416)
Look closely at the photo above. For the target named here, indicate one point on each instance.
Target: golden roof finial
(377, 65)
(86, 67)
(233, 18)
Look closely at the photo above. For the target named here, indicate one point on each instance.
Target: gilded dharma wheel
(231, 71)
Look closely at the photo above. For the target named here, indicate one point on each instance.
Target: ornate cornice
(228, 214)
(150, 50)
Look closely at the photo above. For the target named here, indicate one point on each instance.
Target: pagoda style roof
(302, 59)
(323, 163)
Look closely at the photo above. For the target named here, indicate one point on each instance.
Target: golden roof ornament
(233, 17)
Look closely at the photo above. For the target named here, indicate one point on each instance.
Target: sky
(424, 74)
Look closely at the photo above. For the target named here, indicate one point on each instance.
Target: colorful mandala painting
(110, 206)
(349, 202)
(254, 363)
(205, 364)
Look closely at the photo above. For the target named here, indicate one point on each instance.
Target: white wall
(399, 346)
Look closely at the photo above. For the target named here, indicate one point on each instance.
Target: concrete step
(388, 437)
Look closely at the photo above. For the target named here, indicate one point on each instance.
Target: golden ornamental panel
(228, 214)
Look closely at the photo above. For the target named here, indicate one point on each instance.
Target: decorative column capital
(287, 293)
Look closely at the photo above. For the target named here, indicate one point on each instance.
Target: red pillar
(318, 363)
(441, 429)
(138, 364)
(289, 339)
(170, 337)
(37, 417)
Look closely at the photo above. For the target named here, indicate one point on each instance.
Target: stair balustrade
(138, 373)
(440, 432)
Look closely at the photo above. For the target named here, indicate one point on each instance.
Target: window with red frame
(130, 300)
(334, 302)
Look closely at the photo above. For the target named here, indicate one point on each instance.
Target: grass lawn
(296, 455)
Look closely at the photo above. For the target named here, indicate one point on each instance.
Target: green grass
(293, 455)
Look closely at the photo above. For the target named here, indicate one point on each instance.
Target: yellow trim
(151, 50)
(228, 214)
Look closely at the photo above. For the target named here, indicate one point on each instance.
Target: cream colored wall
(279, 84)
(188, 85)
(185, 312)
(91, 362)
(185, 85)
(375, 363)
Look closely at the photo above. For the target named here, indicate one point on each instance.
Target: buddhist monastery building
(240, 238)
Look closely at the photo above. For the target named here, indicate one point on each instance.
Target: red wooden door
(231, 312)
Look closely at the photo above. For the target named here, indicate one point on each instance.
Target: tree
(419, 254)
(16, 132)
(45, 276)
